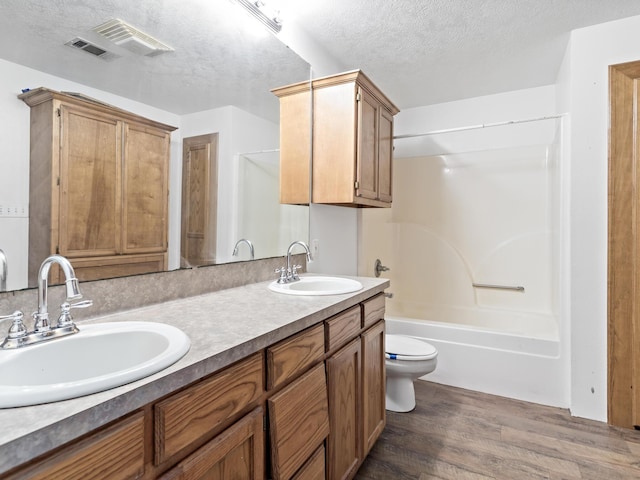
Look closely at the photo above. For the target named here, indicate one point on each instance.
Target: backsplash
(125, 293)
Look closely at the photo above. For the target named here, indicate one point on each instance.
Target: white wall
(14, 154)
(335, 231)
(240, 132)
(300, 42)
(583, 89)
(261, 218)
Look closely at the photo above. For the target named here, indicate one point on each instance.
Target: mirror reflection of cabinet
(295, 143)
(352, 141)
(98, 187)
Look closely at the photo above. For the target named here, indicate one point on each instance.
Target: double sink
(107, 355)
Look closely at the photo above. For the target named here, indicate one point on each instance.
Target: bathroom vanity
(274, 386)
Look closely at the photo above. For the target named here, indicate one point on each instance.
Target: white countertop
(223, 326)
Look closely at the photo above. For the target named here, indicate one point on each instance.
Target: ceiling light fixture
(267, 16)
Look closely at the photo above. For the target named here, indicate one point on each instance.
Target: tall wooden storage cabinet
(350, 149)
(98, 187)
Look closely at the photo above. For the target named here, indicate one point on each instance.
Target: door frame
(623, 281)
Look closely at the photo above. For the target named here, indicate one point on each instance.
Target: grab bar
(498, 287)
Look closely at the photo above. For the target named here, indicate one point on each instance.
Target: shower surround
(472, 243)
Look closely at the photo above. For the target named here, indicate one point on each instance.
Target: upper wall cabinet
(352, 135)
(98, 187)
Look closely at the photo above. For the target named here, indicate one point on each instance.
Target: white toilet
(407, 359)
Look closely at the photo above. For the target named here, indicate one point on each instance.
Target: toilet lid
(407, 348)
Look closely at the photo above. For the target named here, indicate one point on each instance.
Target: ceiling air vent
(130, 38)
(89, 47)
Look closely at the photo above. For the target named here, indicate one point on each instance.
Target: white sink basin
(317, 285)
(99, 357)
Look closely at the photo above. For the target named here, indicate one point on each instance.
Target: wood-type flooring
(465, 435)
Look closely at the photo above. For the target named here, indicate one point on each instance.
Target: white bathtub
(511, 364)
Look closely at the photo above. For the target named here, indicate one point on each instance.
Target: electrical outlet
(315, 248)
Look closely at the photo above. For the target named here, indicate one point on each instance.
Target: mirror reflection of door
(199, 199)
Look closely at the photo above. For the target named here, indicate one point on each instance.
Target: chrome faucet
(71, 282)
(18, 336)
(290, 272)
(243, 240)
(4, 271)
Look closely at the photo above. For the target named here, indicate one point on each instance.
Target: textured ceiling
(422, 52)
(419, 52)
(217, 60)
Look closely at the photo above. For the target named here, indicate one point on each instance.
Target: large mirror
(215, 79)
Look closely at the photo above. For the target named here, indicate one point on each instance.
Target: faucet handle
(65, 320)
(378, 267)
(17, 334)
(283, 274)
(17, 328)
(294, 272)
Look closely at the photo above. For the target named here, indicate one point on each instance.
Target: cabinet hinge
(264, 423)
(358, 97)
(57, 250)
(58, 181)
(356, 185)
(58, 112)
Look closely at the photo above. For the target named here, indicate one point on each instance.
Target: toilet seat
(401, 347)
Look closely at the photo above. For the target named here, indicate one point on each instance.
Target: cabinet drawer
(298, 421)
(314, 468)
(294, 355)
(373, 310)
(116, 452)
(188, 416)
(96, 268)
(342, 328)
(238, 452)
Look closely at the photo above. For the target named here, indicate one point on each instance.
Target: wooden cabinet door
(145, 189)
(334, 141)
(373, 386)
(344, 450)
(367, 153)
(385, 155)
(90, 192)
(116, 452)
(295, 148)
(298, 422)
(237, 453)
